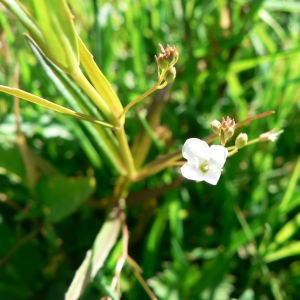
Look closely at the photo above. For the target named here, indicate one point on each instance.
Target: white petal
(218, 155)
(212, 176)
(192, 173)
(195, 151)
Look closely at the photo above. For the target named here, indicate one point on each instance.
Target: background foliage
(238, 239)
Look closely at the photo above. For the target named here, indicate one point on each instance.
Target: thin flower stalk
(141, 97)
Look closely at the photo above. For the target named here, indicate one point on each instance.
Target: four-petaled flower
(203, 162)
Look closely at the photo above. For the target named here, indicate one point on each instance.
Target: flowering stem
(144, 173)
(253, 142)
(125, 152)
(234, 151)
(162, 86)
(120, 133)
(141, 97)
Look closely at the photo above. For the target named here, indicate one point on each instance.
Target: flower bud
(228, 123)
(170, 75)
(168, 57)
(241, 140)
(228, 132)
(172, 55)
(161, 62)
(216, 127)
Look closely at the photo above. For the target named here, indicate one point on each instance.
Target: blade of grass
(284, 206)
(286, 251)
(246, 64)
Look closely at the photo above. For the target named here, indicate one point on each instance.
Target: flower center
(204, 167)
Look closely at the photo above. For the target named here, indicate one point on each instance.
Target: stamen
(204, 167)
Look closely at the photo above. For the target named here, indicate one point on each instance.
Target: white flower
(203, 162)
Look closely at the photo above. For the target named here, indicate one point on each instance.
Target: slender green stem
(162, 86)
(125, 152)
(155, 168)
(120, 133)
(234, 151)
(93, 94)
(245, 226)
(234, 148)
(230, 148)
(253, 142)
(141, 97)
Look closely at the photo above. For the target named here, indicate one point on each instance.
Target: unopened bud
(168, 56)
(161, 62)
(170, 75)
(216, 127)
(173, 55)
(241, 140)
(228, 122)
(228, 132)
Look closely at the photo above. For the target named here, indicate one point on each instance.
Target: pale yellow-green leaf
(105, 240)
(95, 258)
(45, 103)
(82, 277)
(99, 81)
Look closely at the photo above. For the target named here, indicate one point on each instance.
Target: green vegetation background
(239, 239)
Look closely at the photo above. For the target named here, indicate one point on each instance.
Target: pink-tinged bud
(228, 132)
(168, 57)
(228, 123)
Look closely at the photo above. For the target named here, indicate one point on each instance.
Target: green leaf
(287, 200)
(288, 230)
(45, 103)
(282, 6)
(154, 239)
(243, 65)
(11, 164)
(61, 196)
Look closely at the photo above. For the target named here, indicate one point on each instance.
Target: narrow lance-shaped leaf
(81, 279)
(45, 103)
(99, 81)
